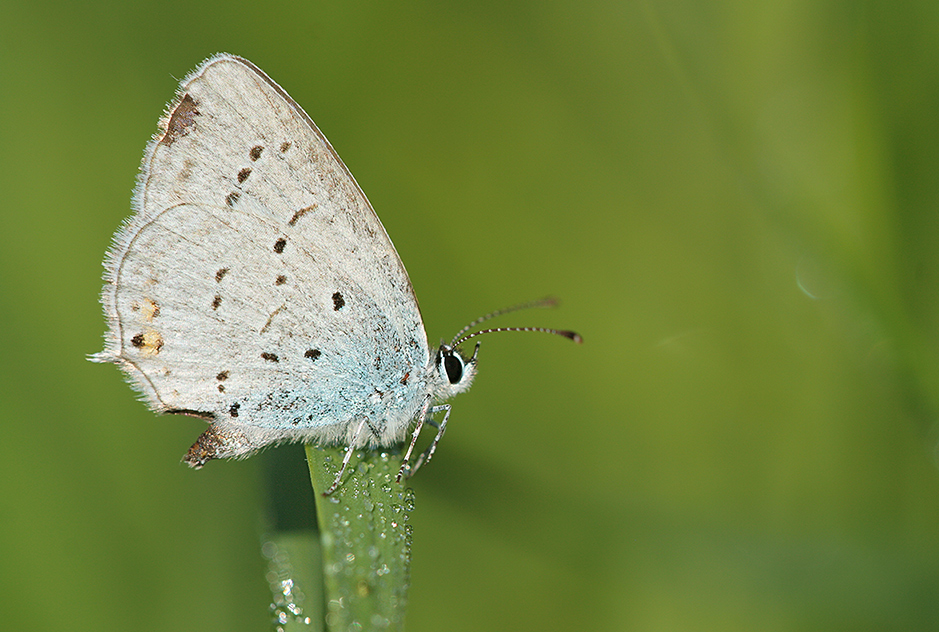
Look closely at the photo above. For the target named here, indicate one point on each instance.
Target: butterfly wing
(255, 285)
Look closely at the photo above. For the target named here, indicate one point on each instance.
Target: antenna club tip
(573, 336)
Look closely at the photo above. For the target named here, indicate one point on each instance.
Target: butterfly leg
(421, 418)
(426, 412)
(429, 452)
(345, 461)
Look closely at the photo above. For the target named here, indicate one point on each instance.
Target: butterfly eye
(454, 367)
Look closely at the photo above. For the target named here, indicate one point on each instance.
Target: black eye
(454, 367)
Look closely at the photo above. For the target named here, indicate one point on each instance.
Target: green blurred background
(736, 201)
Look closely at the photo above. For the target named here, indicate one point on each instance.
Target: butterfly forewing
(255, 283)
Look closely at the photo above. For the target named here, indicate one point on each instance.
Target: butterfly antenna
(544, 302)
(548, 301)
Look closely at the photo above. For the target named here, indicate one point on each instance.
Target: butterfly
(256, 288)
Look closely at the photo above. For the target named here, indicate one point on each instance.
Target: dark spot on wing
(284, 146)
(280, 280)
(216, 301)
(231, 198)
(149, 341)
(377, 363)
(270, 357)
(221, 377)
(233, 411)
(338, 301)
(270, 318)
(220, 274)
(149, 309)
(256, 153)
(243, 175)
(312, 354)
(404, 380)
(300, 213)
(181, 120)
(279, 245)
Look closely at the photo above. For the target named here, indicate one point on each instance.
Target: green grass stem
(365, 538)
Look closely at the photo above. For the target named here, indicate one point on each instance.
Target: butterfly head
(454, 370)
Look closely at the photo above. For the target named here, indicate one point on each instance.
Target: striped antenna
(550, 301)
